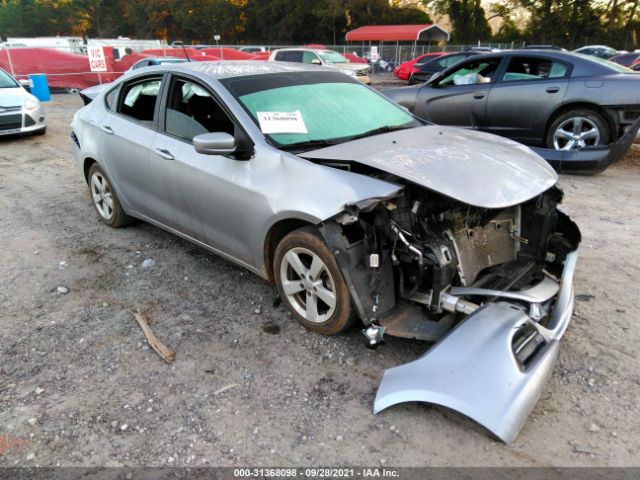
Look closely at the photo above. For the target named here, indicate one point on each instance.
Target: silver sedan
(20, 112)
(357, 211)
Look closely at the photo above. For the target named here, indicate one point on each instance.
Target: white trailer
(66, 44)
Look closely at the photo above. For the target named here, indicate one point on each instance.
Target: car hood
(472, 167)
(12, 97)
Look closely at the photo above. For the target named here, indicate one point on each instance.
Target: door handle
(164, 153)
(478, 96)
(107, 129)
(553, 89)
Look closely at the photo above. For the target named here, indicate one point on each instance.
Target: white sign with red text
(97, 62)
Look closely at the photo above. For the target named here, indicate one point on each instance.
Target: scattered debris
(225, 388)
(271, 328)
(161, 349)
(62, 290)
(586, 450)
(31, 456)
(62, 265)
(32, 421)
(594, 428)
(148, 263)
(124, 426)
(39, 390)
(258, 310)
(584, 297)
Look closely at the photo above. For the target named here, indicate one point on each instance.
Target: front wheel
(578, 129)
(310, 283)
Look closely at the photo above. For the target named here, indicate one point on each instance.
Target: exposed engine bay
(415, 249)
(487, 277)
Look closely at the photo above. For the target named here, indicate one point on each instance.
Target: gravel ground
(79, 385)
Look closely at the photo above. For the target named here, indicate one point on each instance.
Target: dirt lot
(80, 386)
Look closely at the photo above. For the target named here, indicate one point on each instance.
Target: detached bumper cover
(474, 370)
(593, 159)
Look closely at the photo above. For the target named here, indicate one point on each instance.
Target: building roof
(401, 33)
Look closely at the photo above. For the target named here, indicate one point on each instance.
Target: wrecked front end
(492, 287)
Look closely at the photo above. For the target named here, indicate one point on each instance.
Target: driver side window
(191, 111)
(309, 57)
(480, 70)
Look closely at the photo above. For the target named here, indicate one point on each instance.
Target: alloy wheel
(101, 194)
(308, 285)
(575, 133)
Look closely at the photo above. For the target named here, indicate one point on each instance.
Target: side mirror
(214, 143)
(316, 61)
(26, 84)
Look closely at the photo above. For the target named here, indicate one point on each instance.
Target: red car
(404, 70)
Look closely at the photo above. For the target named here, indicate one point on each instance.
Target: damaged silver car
(358, 211)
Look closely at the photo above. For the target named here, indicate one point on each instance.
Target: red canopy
(400, 33)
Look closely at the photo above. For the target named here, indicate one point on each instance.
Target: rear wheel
(577, 129)
(310, 283)
(105, 200)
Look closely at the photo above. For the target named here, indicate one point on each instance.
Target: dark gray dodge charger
(558, 100)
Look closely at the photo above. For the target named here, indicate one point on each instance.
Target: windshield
(6, 81)
(330, 56)
(307, 107)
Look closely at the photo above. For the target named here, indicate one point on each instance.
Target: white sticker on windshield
(281, 122)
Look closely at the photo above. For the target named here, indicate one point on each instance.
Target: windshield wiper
(308, 144)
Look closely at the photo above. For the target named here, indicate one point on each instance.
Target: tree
(467, 17)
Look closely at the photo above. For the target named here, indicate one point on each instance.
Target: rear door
(525, 95)
(127, 132)
(460, 97)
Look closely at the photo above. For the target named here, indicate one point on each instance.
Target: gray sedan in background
(358, 211)
(552, 99)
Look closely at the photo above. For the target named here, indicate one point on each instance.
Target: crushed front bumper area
(491, 367)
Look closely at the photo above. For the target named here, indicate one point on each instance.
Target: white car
(326, 58)
(20, 112)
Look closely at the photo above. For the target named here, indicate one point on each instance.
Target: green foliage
(197, 21)
(568, 23)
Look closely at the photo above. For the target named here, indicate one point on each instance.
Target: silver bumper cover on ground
(474, 370)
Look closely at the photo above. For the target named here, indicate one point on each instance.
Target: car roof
(220, 69)
(303, 49)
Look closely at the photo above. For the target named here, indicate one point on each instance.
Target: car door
(127, 132)
(452, 100)
(205, 197)
(529, 90)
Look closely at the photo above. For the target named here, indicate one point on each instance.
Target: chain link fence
(69, 71)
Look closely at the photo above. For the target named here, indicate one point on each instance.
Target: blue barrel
(40, 86)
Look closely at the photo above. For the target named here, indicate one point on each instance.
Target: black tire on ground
(308, 238)
(592, 116)
(117, 218)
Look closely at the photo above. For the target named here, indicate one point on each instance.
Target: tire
(105, 200)
(578, 129)
(299, 285)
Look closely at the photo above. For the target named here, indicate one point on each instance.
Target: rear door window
(533, 68)
(289, 57)
(139, 99)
